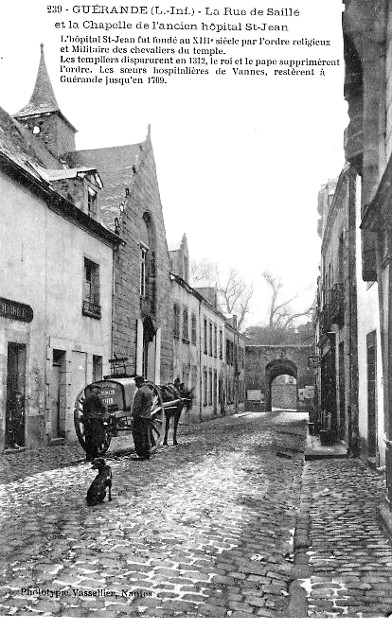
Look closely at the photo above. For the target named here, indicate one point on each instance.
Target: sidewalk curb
(298, 602)
(384, 517)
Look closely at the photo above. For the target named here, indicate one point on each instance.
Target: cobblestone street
(342, 548)
(202, 529)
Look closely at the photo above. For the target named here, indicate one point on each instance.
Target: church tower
(43, 117)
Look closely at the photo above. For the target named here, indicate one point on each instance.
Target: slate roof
(174, 246)
(20, 159)
(43, 98)
(38, 147)
(15, 147)
(116, 166)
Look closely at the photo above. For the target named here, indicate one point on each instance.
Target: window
(176, 321)
(215, 341)
(205, 336)
(143, 271)
(185, 325)
(91, 305)
(91, 202)
(210, 387)
(194, 329)
(205, 387)
(231, 352)
(97, 367)
(220, 344)
(210, 349)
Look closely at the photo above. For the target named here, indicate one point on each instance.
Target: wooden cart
(117, 396)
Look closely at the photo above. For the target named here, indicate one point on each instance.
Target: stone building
(131, 206)
(337, 311)
(126, 306)
(265, 364)
(95, 281)
(368, 90)
(208, 350)
(55, 274)
(348, 326)
(370, 369)
(235, 366)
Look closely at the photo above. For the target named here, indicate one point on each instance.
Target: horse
(180, 398)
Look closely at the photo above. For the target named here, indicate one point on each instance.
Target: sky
(240, 161)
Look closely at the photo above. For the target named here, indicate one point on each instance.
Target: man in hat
(141, 419)
(93, 413)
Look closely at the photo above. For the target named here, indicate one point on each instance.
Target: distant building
(208, 350)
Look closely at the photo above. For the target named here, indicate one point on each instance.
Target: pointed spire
(43, 99)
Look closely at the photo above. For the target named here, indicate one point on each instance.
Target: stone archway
(263, 363)
(275, 368)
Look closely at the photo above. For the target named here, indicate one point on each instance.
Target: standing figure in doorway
(93, 417)
(15, 421)
(141, 419)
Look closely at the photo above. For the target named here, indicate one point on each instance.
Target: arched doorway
(281, 367)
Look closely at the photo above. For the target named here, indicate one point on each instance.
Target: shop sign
(314, 361)
(111, 395)
(15, 311)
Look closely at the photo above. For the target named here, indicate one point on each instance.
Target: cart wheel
(79, 427)
(157, 417)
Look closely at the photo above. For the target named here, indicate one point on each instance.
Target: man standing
(93, 412)
(141, 418)
(15, 421)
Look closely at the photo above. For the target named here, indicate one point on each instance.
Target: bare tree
(234, 294)
(203, 273)
(281, 315)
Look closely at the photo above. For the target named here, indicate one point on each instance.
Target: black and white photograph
(195, 284)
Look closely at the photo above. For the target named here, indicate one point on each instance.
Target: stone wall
(130, 191)
(287, 359)
(142, 198)
(56, 133)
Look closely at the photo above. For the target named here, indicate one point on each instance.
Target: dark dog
(97, 491)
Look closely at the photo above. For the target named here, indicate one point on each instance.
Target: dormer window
(91, 202)
(36, 130)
